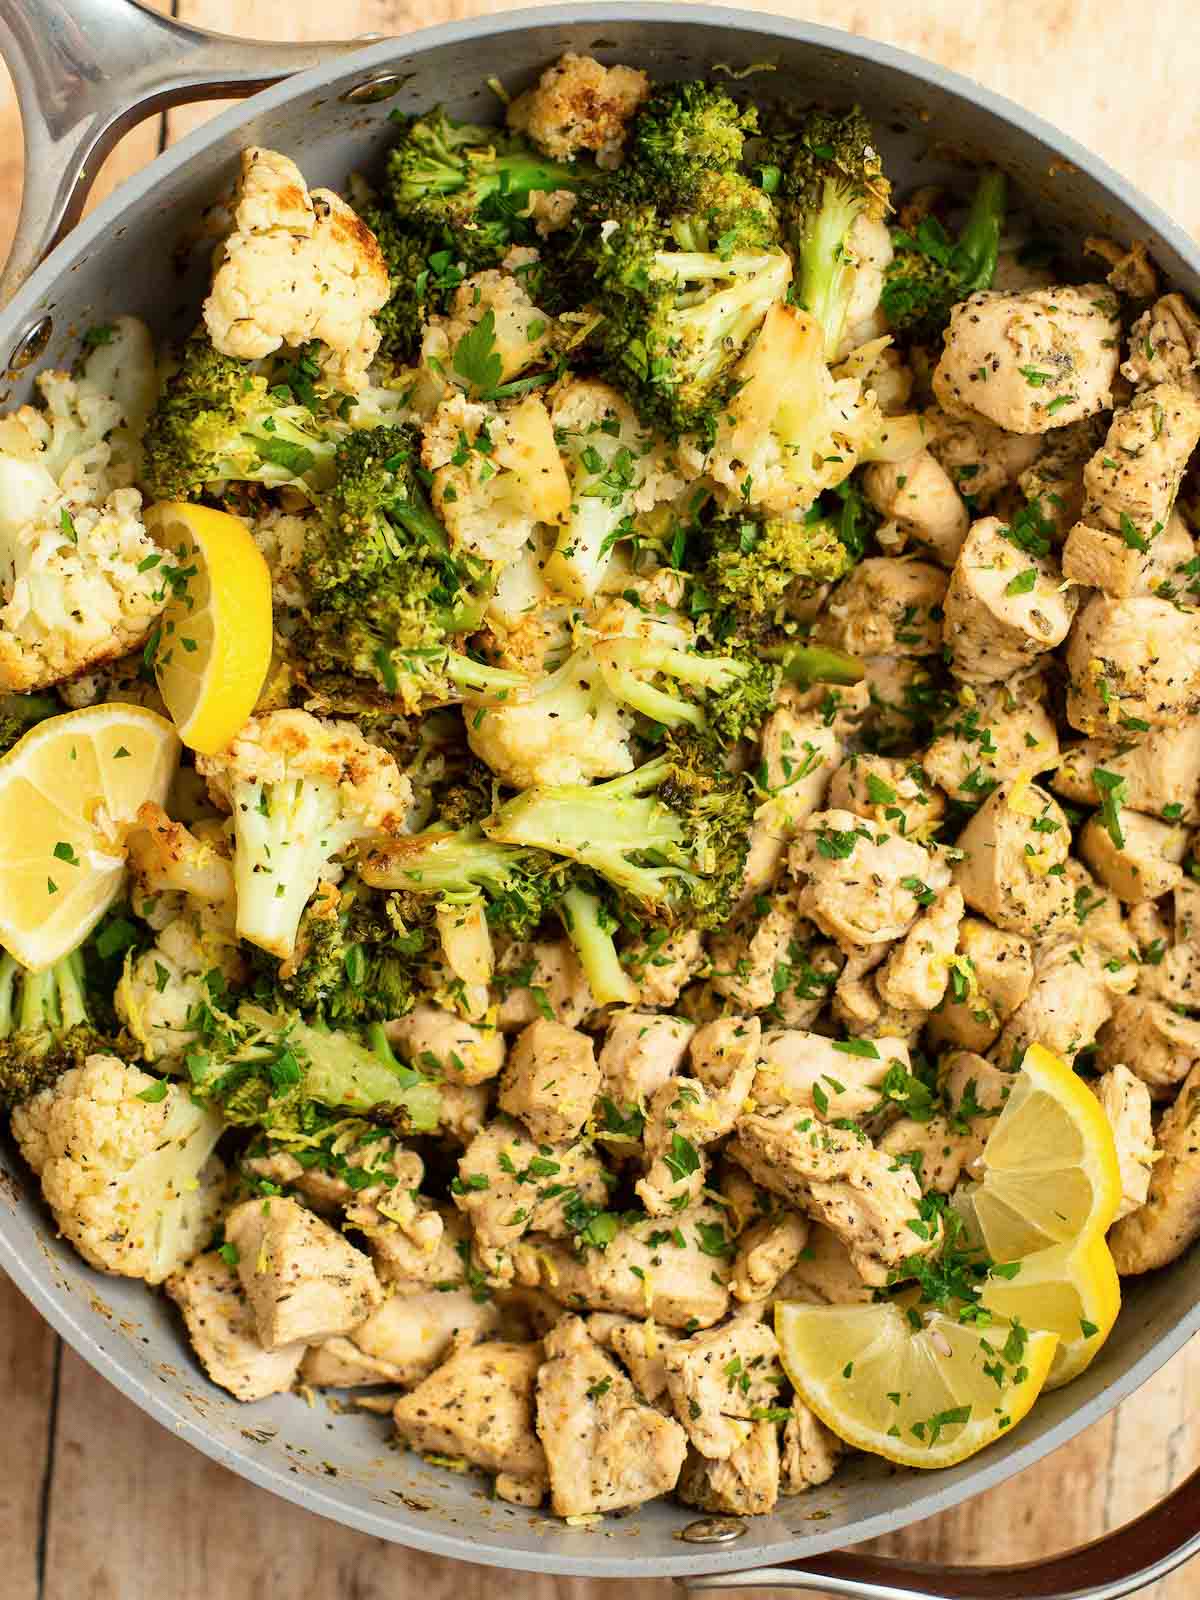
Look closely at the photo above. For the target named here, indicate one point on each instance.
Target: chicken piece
(825, 1274)
(223, 1331)
(403, 1341)
(972, 1086)
(605, 1447)
(919, 498)
(859, 886)
(405, 1265)
(992, 974)
(663, 963)
(1164, 345)
(1160, 772)
(460, 1052)
(916, 973)
(839, 1177)
(810, 1452)
(298, 268)
(1170, 955)
(1125, 1101)
(858, 1009)
(998, 731)
(1102, 922)
(640, 1053)
(1154, 1041)
(1133, 661)
(578, 104)
(889, 791)
(1031, 362)
(1132, 271)
(340, 1182)
(837, 1078)
(1139, 556)
(939, 1151)
(642, 1348)
(745, 1203)
(746, 958)
(1054, 482)
(1146, 864)
(886, 606)
(1068, 1003)
(744, 1484)
(1004, 606)
(900, 690)
(462, 1111)
(673, 1270)
(800, 747)
(766, 1252)
(686, 1114)
(479, 1406)
(1162, 1229)
(718, 1379)
(500, 1191)
(550, 1081)
(1019, 889)
(303, 1281)
(981, 459)
(804, 980)
(533, 978)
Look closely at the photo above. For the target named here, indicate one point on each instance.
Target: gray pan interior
(137, 253)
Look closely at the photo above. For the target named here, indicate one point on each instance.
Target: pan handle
(1121, 1563)
(86, 71)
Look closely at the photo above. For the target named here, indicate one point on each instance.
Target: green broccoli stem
(591, 934)
(978, 247)
(287, 452)
(824, 267)
(9, 968)
(467, 673)
(621, 661)
(806, 664)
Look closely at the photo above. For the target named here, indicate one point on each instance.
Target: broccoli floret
(45, 1025)
(518, 884)
(355, 961)
(755, 563)
(671, 837)
(830, 174)
(271, 1070)
(219, 420)
(683, 130)
(590, 927)
(727, 695)
(20, 712)
(422, 274)
(932, 272)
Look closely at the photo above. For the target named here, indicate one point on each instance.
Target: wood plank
(29, 1356)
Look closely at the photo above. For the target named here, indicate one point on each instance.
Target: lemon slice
(1050, 1172)
(1071, 1290)
(68, 791)
(916, 1387)
(214, 641)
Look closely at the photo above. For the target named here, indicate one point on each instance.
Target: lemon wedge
(911, 1384)
(1070, 1290)
(1050, 1170)
(213, 647)
(68, 792)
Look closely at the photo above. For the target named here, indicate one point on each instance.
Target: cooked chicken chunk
(1169, 953)
(479, 1405)
(899, 690)
(1169, 1221)
(304, 1281)
(825, 1274)
(918, 497)
(991, 977)
(838, 1176)
(916, 973)
(858, 1009)
(1133, 659)
(889, 791)
(673, 1270)
(1164, 345)
(605, 1447)
(395, 1173)
(811, 1452)
(766, 1251)
(464, 1052)
(402, 1341)
(533, 978)
(981, 459)
(744, 1484)
(1160, 771)
(1004, 606)
(718, 1379)
(997, 732)
(861, 885)
(405, 1265)
(580, 105)
(1153, 1040)
(1012, 848)
(642, 1349)
(1145, 865)
(640, 1053)
(462, 1110)
(663, 963)
(940, 1151)
(1125, 1101)
(799, 749)
(1033, 361)
(886, 607)
(550, 1081)
(1054, 483)
(837, 1078)
(222, 1327)
(1068, 1002)
(747, 957)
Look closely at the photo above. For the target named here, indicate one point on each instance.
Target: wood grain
(105, 1504)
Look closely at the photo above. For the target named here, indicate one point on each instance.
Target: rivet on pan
(31, 344)
(713, 1530)
(381, 87)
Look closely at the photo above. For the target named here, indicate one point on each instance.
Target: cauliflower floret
(167, 857)
(496, 474)
(578, 104)
(297, 267)
(572, 734)
(162, 989)
(132, 1181)
(520, 332)
(282, 538)
(301, 790)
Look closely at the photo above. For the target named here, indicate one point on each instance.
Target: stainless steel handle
(1120, 1563)
(86, 71)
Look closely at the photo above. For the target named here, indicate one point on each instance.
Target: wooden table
(100, 1502)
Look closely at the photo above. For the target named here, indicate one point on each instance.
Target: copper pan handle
(86, 71)
(1119, 1563)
